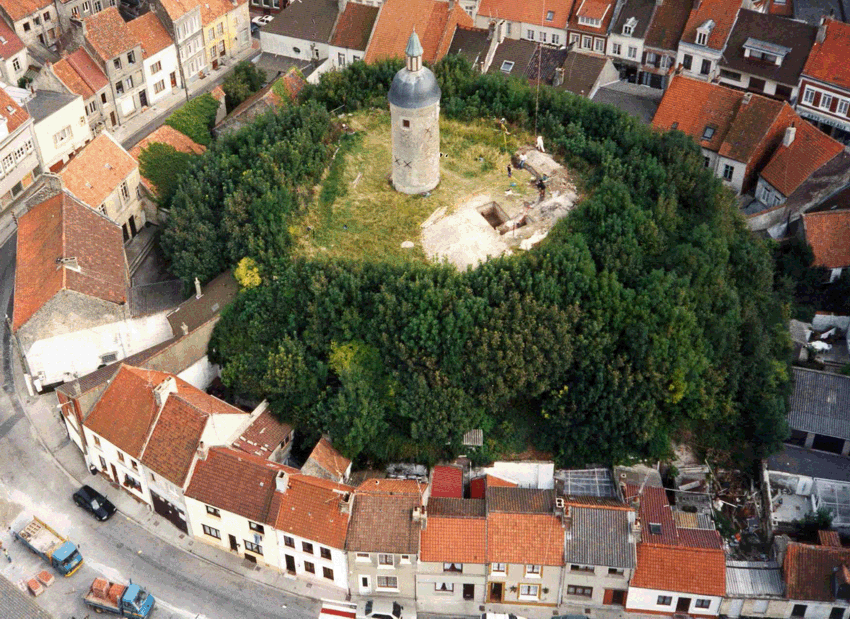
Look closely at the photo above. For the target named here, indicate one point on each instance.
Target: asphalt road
(30, 480)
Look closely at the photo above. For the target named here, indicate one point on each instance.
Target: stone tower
(415, 112)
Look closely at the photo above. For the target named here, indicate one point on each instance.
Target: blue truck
(43, 541)
(125, 600)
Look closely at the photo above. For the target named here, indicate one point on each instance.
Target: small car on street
(94, 502)
(383, 609)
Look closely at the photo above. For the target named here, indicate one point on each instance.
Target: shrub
(196, 119)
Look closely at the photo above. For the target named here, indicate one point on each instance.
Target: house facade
(182, 20)
(544, 22)
(351, 34)
(59, 124)
(19, 163)
(225, 28)
(817, 578)
(36, 22)
(80, 9)
(589, 24)
(159, 57)
(78, 73)
(824, 97)
(14, 58)
(662, 41)
(626, 38)
(119, 54)
(383, 538)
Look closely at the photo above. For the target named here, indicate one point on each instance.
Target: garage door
(169, 512)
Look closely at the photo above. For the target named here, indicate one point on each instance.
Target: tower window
(405, 123)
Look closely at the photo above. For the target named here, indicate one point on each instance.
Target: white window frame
(387, 586)
(616, 49)
(533, 571)
(632, 52)
(586, 42)
(529, 591)
(556, 39)
(842, 108)
(383, 563)
(529, 34)
(825, 101)
(727, 167)
(498, 568)
(599, 45)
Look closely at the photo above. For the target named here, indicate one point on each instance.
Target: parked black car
(93, 501)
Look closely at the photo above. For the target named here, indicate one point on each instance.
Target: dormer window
(589, 21)
(708, 133)
(764, 51)
(629, 26)
(704, 31)
(550, 15)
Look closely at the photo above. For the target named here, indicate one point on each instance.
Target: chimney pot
(198, 293)
(790, 134)
(184, 328)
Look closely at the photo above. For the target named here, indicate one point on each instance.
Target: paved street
(185, 585)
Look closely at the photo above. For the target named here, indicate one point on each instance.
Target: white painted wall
(109, 453)
(73, 116)
(540, 475)
(338, 561)
(70, 355)
(625, 42)
(8, 72)
(350, 55)
(168, 59)
(294, 48)
(221, 428)
(698, 54)
(647, 600)
(231, 524)
(201, 373)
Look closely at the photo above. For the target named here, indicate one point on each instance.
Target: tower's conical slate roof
(414, 47)
(414, 89)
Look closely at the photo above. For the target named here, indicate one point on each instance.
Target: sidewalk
(132, 131)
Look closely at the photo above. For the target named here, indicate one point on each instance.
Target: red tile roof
(177, 8)
(828, 233)
(212, 10)
(310, 508)
(108, 34)
(174, 440)
(125, 413)
(828, 60)
(263, 436)
(721, 12)
(536, 539)
(354, 26)
(18, 9)
(655, 509)
(829, 538)
(757, 128)
(97, 170)
(238, 483)
(61, 227)
(454, 540)
(14, 114)
(790, 166)
(326, 457)
(433, 21)
(809, 570)
(447, 482)
(478, 487)
(392, 486)
(80, 74)
(701, 571)
(150, 32)
(786, 9)
(10, 43)
(528, 11)
(602, 10)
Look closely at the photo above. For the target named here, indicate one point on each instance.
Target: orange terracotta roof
(326, 457)
(593, 9)
(433, 21)
(529, 11)
(61, 227)
(212, 10)
(97, 170)
(18, 9)
(721, 12)
(178, 8)
(293, 82)
(454, 540)
(150, 32)
(603, 10)
(218, 93)
(174, 440)
(478, 486)
(667, 24)
(828, 60)
(525, 538)
(786, 9)
(809, 571)
(263, 436)
(790, 166)
(10, 43)
(166, 135)
(14, 114)
(80, 74)
(391, 486)
(238, 483)
(354, 26)
(701, 571)
(828, 233)
(655, 509)
(108, 34)
(756, 128)
(829, 538)
(310, 508)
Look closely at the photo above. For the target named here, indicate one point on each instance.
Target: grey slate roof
(600, 537)
(413, 90)
(581, 72)
(641, 10)
(15, 604)
(45, 103)
(383, 523)
(775, 30)
(458, 508)
(753, 579)
(310, 20)
(471, 43)
(520, 500)
(820, 403)
(798, 461)
(518, 52)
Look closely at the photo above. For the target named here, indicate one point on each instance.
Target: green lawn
(356, 213)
